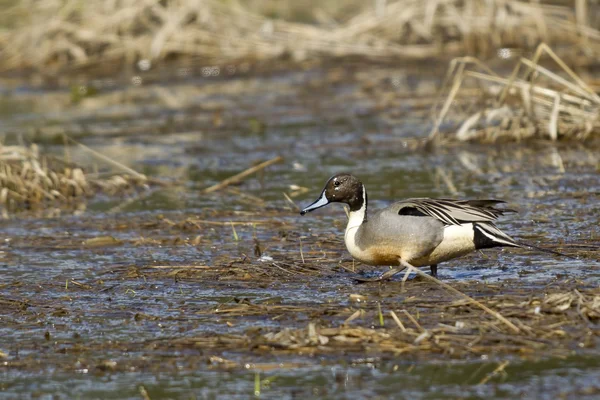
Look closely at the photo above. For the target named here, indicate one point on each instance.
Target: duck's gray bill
(322, 201)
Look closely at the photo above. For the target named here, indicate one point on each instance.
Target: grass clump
(531, 102)
(30, 181)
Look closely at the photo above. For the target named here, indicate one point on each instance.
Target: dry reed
(544, 323)
(29, 180)
(55, 33)
(532, 102)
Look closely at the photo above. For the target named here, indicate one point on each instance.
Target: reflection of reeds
(533, 102)
(59, 33)
(31, 181)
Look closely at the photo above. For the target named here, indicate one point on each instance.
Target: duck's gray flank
(420, 231)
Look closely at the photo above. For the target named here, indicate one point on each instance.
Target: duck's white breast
(355, 220)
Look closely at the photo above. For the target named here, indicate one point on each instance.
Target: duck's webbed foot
(385, 276)
(433, 268)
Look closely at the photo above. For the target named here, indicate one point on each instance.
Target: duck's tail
(543, 250)
(488, 235)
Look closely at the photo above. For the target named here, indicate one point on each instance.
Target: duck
(419, 231)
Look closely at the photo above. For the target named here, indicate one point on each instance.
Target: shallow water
(82, 321)
(356, 380)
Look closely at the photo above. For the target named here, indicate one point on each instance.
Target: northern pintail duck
(420, 231)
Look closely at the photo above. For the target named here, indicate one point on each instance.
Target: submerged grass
(424, 318)
(552, 323)
(231, 306)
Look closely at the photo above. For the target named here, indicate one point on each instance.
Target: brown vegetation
(533, 102)
(31, 181)
(416, 318)
(56, 33)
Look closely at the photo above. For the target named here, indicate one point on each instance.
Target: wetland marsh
(165, 291)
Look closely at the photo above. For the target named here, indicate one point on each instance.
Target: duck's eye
(336, 183)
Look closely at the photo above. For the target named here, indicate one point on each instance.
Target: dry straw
(58, 33)
(29, 180)
(532, 102)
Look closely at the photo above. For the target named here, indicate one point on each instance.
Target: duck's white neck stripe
(359, 216)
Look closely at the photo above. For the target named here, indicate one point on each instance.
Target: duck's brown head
(341, 188)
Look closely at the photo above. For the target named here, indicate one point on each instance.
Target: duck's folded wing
(452, 212)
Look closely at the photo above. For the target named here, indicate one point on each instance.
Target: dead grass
(551, 324)
(240, 304)
(419, 318)
(56, 34)
(532, 102)
(31, 181)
